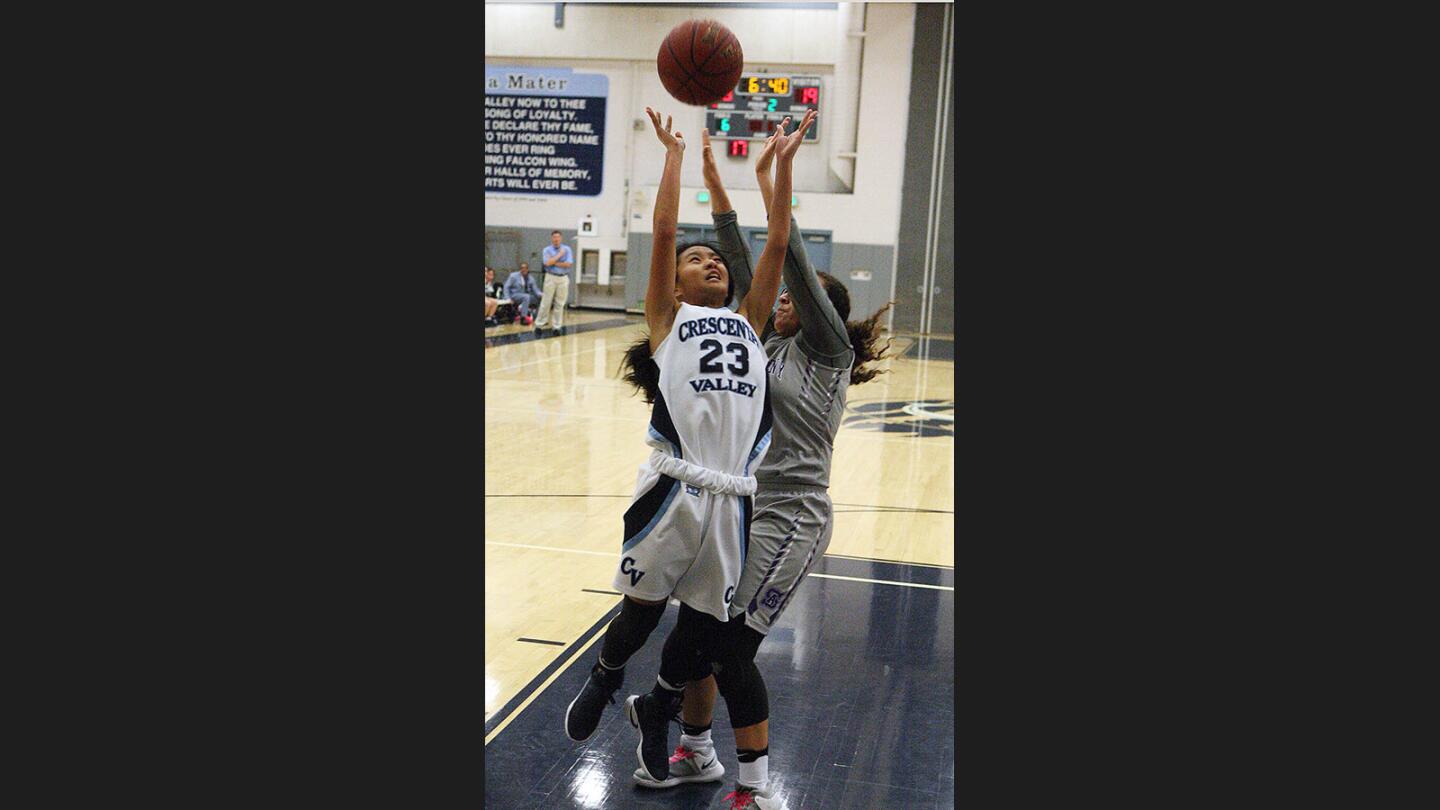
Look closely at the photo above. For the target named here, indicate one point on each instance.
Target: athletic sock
(754, 767)
(698, 740)
(608, 676)
(668, 696)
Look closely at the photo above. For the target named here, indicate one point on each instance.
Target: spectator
(491, 304)
(558, 260)
(492, 287)
(521, 289)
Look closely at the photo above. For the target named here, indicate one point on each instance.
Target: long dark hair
(864, 335)
(637, 367)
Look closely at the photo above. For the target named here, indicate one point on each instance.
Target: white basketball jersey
(714, 406)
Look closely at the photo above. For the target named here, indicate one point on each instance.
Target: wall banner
(544, 131)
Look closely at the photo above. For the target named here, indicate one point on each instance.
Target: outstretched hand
(767, 152)
(708, 169)
(788, 144)
(674, 142)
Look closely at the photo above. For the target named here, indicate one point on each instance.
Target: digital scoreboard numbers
(757, 105)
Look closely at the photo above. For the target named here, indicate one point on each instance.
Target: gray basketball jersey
(808, 401)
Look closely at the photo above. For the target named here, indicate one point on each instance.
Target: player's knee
(684, 657)
(642, 616)
(692, 630)
(744, 692)
(738, 642)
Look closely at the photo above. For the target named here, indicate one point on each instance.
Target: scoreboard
(757, 105)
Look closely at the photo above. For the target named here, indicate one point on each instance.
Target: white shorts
(684, 541)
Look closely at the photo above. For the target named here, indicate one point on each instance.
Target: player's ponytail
(864, 335)
(865, 340)
(638, 368)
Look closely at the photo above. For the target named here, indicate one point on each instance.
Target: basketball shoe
(584, 712)
(652, 716)
(748, 798)
(686, 765)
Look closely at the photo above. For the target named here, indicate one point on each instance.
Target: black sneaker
(649, 714)
(584, 713)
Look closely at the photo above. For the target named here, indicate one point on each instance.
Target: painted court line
(575, 414)
(825, 576)
(886, 582)
(886, 560)
(505, 367)
(518, 709)
(551, 548)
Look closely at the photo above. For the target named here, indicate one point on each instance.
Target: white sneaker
(746, 799)
(686, 765)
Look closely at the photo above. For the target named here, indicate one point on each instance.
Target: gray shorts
(791, 529)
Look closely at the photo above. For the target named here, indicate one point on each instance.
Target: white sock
(755, 774)
(702, 742)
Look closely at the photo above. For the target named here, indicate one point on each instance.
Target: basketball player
(814, 356)
(687, 527)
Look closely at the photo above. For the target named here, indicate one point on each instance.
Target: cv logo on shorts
(634, 573)
(772, 599)
(729, 594)
(689, 490)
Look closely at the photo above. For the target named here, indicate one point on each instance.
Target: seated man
(521, 289)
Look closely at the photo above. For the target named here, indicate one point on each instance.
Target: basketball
(699, 62)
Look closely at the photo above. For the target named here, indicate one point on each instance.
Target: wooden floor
(564, 438)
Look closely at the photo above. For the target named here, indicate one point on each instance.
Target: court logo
(772, 599)
(635, 573)
(920, 418)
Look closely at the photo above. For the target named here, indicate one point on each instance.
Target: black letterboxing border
(288, 584)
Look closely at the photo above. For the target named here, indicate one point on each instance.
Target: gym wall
(619, 41)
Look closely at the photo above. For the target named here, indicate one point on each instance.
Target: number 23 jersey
(714, 405)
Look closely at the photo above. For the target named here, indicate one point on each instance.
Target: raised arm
(660, 303)
(757, 304)
(822, 332)
(767, 193)
(762, 165)
(727, 227)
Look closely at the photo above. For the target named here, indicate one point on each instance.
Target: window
(617, 269)
(589, 266)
